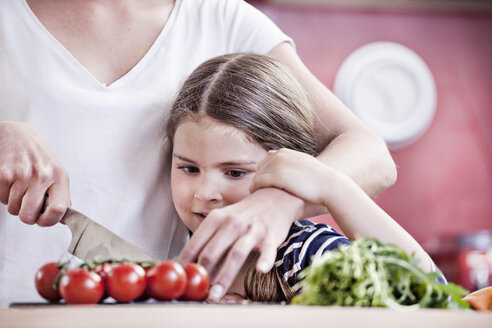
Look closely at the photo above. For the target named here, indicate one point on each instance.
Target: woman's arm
(349, 146)
(353, 210)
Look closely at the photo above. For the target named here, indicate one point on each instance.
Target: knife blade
(90, 240)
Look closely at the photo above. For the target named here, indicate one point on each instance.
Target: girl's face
(212, 166)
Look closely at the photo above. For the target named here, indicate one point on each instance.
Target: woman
(82, 87)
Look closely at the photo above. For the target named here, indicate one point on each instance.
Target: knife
(91, 240)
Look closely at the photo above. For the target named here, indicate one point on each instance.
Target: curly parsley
(372, 273)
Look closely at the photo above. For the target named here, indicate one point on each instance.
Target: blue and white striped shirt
(305, 240)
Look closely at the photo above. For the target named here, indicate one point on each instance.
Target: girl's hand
(227, 236)
(28, 171)
(295, 172)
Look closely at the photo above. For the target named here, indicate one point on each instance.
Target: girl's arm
(353, 210)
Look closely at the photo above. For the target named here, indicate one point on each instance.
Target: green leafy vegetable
(372, 273)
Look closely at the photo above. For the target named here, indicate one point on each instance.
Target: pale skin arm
(28, 171)
(262, 220)
(353, 210)
(349, 146)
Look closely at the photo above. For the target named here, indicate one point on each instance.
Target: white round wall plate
(390, 88)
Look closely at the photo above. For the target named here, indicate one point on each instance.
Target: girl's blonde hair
(260, 96)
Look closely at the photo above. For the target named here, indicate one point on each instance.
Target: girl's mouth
(200, 217)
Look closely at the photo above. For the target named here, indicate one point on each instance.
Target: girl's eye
(189, 169)
(236, 173)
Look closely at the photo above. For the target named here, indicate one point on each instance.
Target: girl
(231, 115)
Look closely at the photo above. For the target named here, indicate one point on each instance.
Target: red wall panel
(444, 182)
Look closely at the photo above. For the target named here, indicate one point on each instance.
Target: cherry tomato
(166, 281)
(125, 282)
(198, 283)
(481, 299)
(45, 279)
(145, 295)
(103, 270)
(79, 286)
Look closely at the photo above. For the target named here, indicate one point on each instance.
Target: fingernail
(216, 292)
(263, 267)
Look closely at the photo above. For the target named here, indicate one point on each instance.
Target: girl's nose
(208, 190)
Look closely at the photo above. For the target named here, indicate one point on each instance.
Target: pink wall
(444, 182)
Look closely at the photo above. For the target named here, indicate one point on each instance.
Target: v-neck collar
(80, 69)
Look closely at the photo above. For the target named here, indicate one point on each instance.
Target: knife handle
(76, 227)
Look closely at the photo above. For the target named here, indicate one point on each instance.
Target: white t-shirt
(108, 137)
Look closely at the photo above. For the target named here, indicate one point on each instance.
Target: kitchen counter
(221, 315)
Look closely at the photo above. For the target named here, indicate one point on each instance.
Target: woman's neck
(108, 38)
